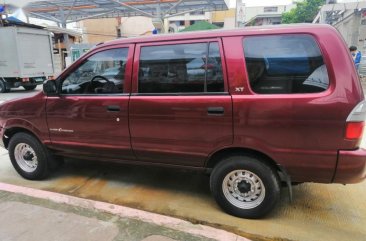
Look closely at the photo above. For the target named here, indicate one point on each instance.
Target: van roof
(270, 29)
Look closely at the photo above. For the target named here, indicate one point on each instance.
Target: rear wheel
(30, 87)
(245, 187)
(28, 156)
(3, 88)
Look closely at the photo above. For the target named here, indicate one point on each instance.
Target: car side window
(102, 73)
(285, 64)
(181, 68)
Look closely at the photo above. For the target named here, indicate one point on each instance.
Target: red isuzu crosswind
(255, 107)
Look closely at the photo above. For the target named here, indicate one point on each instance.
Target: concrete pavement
(318, 212)
(30, 214)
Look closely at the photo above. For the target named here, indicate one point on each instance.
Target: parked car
(253, 107)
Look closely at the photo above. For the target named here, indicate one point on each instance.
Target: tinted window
(285, 64)
(183, 68)
(102, 73)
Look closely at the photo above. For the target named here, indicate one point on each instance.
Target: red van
(254, 107)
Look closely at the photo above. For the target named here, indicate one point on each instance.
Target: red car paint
(303, 133)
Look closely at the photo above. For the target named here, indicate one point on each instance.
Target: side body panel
(82, 125)
(94, 125)
(28, 114)
(9, 63)
(177, 129)
(301, 132)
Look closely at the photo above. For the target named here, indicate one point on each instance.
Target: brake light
(354, 130)
(25, 79)
(356, 122)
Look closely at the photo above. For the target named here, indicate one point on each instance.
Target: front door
(90, 116)
(180, 110)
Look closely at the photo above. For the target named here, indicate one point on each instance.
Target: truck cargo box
(25, 53)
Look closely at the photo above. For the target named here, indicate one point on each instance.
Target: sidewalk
(31, 214)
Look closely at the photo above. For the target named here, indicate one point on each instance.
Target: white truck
(26, 57)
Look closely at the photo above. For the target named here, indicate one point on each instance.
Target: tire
(30, 87)
(28, 156)
(245, 187)
(3, 88)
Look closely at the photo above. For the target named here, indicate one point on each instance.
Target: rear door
(90, 117)
(180, 109)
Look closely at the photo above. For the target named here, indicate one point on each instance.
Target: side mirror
(50, 88)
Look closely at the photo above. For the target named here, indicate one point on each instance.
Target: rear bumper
(351, 166)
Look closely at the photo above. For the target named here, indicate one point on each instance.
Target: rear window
(285, 64)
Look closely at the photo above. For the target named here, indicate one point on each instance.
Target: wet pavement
(318, 212)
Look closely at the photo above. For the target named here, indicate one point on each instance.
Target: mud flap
(285, 177)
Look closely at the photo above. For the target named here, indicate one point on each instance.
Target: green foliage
(304, 12)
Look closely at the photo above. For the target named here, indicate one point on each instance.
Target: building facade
(265, 15)
(349, 19)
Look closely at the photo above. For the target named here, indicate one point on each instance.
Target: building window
(181, 68)
(285, 64)
(270, 9)
(201, 12)
(192, 22)
(219, 24)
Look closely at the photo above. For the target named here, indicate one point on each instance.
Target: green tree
(304, 12)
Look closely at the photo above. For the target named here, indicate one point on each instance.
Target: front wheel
(28, 156)
(245, 187)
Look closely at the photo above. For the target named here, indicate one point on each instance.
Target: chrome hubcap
(243, 189)
(25, 157)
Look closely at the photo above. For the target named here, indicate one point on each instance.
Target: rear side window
(285, 64)
(181, 68)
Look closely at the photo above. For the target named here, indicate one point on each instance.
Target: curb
(126, 212)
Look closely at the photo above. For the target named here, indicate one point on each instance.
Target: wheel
(28, 156)
(30, 87)
(245, 187)
(3, 88)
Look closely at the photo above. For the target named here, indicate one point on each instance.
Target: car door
(90, 116)
(180, 110)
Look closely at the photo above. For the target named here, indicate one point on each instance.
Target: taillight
(354, 130)
(356, 122)
(25, 79)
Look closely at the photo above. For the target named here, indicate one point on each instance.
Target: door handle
(113, 108)
(215, 110)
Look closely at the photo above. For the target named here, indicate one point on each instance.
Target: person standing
(356, 55)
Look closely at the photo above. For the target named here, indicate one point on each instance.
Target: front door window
(102, 73)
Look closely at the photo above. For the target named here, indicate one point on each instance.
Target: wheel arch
(10, 132)
(217, 157)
